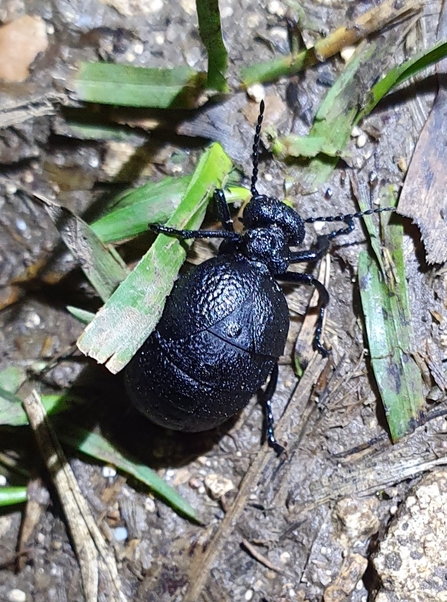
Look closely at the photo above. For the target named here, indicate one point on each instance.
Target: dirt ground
(345, 515)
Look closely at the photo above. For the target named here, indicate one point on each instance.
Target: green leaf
(211, 34)
(131, 212)
(132, 312)
(131, 86)
(386, 309)
(12, 495)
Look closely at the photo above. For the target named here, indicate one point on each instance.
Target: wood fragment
(97, 565)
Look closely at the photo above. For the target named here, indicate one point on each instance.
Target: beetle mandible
(225, 324)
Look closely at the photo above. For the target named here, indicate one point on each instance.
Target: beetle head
(264, 211)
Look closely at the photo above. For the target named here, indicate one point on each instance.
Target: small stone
(16, 595)
(217, 485)
(256, 92)
(120, 534)
(108, 472)
(347, 52)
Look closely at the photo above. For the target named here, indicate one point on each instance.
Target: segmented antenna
(348, 216)
(255, 155)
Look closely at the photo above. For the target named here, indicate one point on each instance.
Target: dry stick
(202, 563)
(91, 549)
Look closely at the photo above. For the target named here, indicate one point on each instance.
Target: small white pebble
(3, 480)
(28, 177)
(155, 5)
(10, 188)
(138, 48)
(120, 533)
(21, 224)
(130, 57)
(285, 557)
(248, 595)
(347, 52)
(50, 29)
(268, 177)
(393, 510)
(149, 505)
(159, 39)
(276, 8)
(359, 585)
(226, 11)
(362, 140)
(292, 593)
(108, 472)
(16, 595)
(32, 320)
(256, 92)
(94, 162)
(356, 131)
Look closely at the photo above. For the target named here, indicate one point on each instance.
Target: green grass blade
(102, 266)
(389, 334)
(12, 495)
(131, 212)
(339, 110)
(80, 314)
(94, 445)
(333, 122)
(13, 414)
(211, 34)
(129, 86)
(399, 74)
(129, 316)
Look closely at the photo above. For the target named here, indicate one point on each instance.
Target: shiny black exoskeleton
(225, 323)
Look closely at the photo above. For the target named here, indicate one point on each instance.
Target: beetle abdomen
(203, 364)
(181, 392)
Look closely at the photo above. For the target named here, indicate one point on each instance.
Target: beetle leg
(322, 247)
(194, 233)
(222, 210)
(267, 403)
(323, 301)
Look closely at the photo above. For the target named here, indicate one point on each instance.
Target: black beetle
(225, 323)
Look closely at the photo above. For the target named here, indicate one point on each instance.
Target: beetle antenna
(255, 155)
(348, 216)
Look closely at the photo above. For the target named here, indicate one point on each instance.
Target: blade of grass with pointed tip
(129, 86)
(102, 266)
(400, 73)
(12, 495)
(211, 34)
(80, 314)
(96, 446)
(389, 334)
(129, 316)
(131, 212)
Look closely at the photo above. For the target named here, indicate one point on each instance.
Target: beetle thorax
(268, 246)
